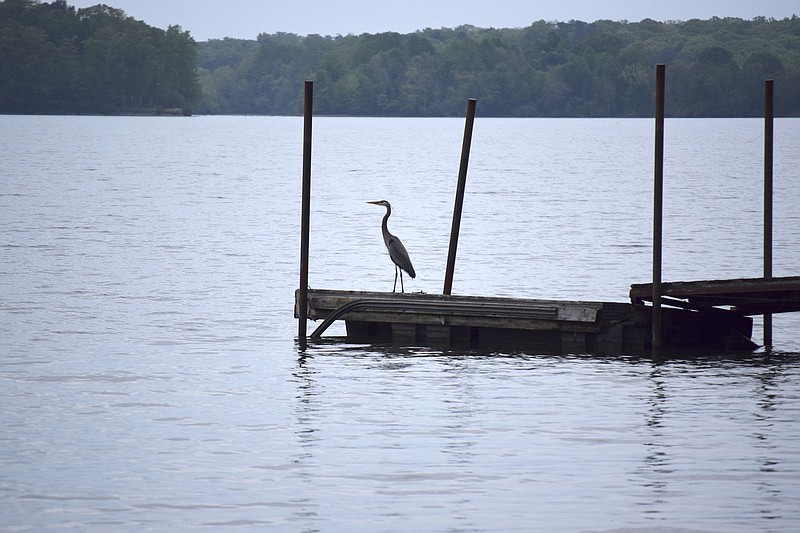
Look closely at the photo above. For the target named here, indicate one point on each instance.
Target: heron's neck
(384, 224)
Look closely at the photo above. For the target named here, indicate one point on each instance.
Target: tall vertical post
(769, 88)
(305, 216)
(658, 201)
(462, 180)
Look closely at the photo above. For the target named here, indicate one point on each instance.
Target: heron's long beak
(374, 203)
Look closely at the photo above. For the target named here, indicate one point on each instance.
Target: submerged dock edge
(490, 323)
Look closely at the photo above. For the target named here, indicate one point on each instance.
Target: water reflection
(672, 438)
(657, 459)
(766, 392)
(477, 422)
(306, 433)
(416, 415)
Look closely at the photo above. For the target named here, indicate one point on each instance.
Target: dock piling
(305, 216)
(459, 202)
(658, 197)
(769, 88)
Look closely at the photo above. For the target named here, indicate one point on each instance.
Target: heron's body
(397, 252)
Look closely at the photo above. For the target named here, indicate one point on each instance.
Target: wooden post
(305, 216)
(769, 86)
(658, 197)
(462, 180)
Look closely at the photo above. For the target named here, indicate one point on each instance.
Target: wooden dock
(714, 314)
(417, 319)
(746, 296)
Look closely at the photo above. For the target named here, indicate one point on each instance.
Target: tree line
(715, 67)
(54, 58)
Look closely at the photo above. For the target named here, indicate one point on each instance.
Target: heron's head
(384, 203)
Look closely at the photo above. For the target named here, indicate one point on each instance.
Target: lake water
(150, 378)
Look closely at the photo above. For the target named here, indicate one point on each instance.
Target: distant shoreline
(131, 112)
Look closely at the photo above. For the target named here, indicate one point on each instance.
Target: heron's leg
(402, 289)
(394, 287)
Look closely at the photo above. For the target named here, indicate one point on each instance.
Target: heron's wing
(399, 255)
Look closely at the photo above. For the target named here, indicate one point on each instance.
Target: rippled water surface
(150, 379)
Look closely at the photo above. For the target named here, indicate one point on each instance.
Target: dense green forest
(54, 58)
(715, 67)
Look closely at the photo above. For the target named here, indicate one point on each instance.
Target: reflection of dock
(492, 323)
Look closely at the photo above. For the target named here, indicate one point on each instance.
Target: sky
(245, 19)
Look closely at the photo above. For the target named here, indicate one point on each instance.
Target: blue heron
(397, 252)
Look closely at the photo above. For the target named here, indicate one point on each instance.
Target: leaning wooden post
(658, 197)
(305, 216)
(769, 86)
(462, 180)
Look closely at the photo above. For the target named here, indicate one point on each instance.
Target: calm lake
(150, 378)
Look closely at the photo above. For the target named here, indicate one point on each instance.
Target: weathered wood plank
(479, 311)
(745, 296)
(724, 286)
